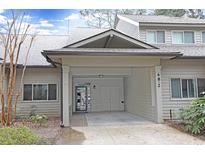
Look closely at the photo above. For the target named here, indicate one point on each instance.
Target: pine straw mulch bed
(50, 131)
(181, 127)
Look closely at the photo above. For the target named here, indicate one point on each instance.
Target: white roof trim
(128, 20)
(171, 24)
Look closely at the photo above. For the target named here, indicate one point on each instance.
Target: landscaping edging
(179, 126)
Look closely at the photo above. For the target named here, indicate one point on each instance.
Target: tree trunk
(12, 41)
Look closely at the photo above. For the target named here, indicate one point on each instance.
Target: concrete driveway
(126, 134)
(120, 128)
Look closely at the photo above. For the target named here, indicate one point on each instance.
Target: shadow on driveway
(71, 136)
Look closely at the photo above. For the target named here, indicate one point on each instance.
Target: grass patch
(18, 136)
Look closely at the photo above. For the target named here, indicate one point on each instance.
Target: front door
(81, 98)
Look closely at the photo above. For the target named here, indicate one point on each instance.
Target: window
(188, 37)
(201, 87)
(192, 88)
(177, 37)
(52, 92)
(176, 88)
(183, 88)
(203, 37)
(155, 37)
(188, 88)
(39, 92)
(27, 92)
(183, 37)
(160, 37)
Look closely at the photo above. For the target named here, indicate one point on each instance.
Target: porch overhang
(110, 52)
(53, 55)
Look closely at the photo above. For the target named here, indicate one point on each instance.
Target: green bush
(39, 119)
(19, 136)
(194, 116)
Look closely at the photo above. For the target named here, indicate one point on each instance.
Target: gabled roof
(164, 19)
(109, 43)
(111, 39)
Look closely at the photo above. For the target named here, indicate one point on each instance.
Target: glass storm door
(81, 98)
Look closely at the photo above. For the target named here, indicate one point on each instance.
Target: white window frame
(197, 84)
(188, 88)
(156, 36)
(202, 37)
(182, 31)
(47, 93)
(183, 98)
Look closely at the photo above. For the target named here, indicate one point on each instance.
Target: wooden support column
(66, 97)
(158, 93)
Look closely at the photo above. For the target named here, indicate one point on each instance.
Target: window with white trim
(183, 37)
(155, 37)
(176, 88)
(203, 37)
(201, 87)
(188, 88)
(33, 92)
(183, 88)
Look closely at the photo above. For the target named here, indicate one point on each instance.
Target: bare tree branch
(12, 41)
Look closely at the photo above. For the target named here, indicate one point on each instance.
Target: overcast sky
(47, 21)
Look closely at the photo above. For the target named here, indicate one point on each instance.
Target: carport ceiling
(111, 41)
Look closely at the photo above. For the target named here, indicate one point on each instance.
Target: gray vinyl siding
(39, 75)
(168, 33)
(178, 69)
(140, 31)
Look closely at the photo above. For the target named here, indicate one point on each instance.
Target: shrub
(20, 135)
(39, 119)
(194, 116)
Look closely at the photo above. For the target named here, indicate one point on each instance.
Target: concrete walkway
(120, 128)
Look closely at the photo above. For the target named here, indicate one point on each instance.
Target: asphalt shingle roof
(164, 19)
(46, 42)
(189, 50)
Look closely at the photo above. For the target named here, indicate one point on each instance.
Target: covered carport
(126, 71)
(115, 95)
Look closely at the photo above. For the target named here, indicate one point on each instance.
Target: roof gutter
(191, 57)
(83, 53)
(171, 24)
(49, 60)
(176, 57)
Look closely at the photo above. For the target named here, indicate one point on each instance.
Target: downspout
(175, 57)
(61, 94)
(61, 124)
(61, 80)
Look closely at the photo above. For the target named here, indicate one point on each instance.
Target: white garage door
(110, 99)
